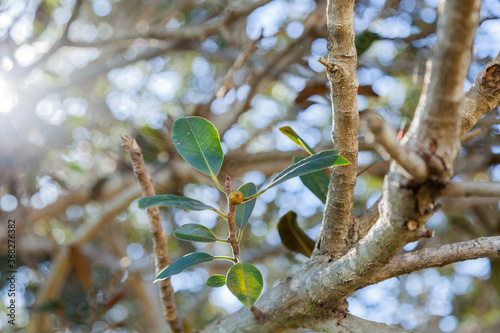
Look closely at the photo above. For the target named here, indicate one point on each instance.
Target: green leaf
(293, 237)
(176, 201)
(309, 164)
(183, 263)
(244, 210)
(289, 132)
(198, 142)
(316, 182)
(195, 233)
(216, 281)
(245, 281)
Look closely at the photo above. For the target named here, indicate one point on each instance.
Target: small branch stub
(258, 314)
(330, 67)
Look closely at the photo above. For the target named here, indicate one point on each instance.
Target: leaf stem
(220, 213)
(254, 195)
(216, 181)
(222, 240)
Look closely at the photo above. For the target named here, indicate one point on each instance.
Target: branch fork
(384, 138)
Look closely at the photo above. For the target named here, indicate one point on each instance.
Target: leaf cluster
(198, 142)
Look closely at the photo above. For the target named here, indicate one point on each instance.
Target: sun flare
(8, 98)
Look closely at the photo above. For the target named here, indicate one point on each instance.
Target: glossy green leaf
(176, 201)
(183, 263)
(245, 281)
(198, 142)
(244, 210)
(289, 132)
(216, 281)
(193, 232)
(316, 182)
(293, 237)
(309, 164)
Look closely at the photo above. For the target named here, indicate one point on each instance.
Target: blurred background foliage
(76, 74)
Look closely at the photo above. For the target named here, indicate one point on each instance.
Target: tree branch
(338, 219)
(439, 256)
(387, 145)
(351, 324)
(57, 45)
(436, 131)
(472, 189)
(187, 32)
(324, 283)
(159, 237)
(482, 97)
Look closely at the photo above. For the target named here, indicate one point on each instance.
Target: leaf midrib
(245, 281)
(199, 146)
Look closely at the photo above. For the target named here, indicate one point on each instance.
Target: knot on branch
(491, 79)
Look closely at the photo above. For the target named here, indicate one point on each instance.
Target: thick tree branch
(407, 205)
(338, 219)
(439, 256)
(472, 189)
(435, 130)
(159, 238)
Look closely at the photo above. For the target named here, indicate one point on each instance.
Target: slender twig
(226, 81)
(57, 45)
(472, 189)
(232, 223)
(386, 144)
(159, 237)
(471, 135)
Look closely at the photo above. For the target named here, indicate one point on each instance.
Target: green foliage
(183, 263)
(316, 182)
(195, 233)
(293, 237)
(289, 132)
(245, 281)
(309, 164)
(244, 211)
(216, 281)
(197, 140)
(176, 201)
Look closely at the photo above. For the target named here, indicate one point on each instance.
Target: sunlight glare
(8, 99)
